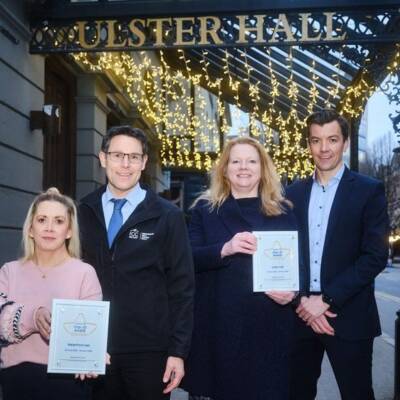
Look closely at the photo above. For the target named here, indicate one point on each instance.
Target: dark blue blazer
(355, 250)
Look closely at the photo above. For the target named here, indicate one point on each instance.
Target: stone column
(92, 113)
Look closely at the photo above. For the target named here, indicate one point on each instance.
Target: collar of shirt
(135, 196)
(335, 179)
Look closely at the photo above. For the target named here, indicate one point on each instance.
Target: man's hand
(88, 375)
(311, 308)
(92, 375)
(43, 322)
(242, 242)
(174, 372)
(321, 325)
(281, 298)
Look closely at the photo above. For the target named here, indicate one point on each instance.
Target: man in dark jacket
(344, 230)
(139, 246)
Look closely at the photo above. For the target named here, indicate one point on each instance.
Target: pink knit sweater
(23, 284)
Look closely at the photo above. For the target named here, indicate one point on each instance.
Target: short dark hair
(126, 130)
(325, 116)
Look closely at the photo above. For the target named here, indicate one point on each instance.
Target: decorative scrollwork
(391, 88)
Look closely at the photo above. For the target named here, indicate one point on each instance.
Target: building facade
(40, 147)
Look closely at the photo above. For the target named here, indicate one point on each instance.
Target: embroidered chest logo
(135, 234)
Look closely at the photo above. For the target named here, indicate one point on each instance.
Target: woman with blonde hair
(241, 340)
(50, 268)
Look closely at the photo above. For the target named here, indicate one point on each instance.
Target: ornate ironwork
(391, 88)
(349, 38)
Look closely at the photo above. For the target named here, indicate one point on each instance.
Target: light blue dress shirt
(319, 208)
(133, 198)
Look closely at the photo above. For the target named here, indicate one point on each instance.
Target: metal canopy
(330, 69)
(296, 74)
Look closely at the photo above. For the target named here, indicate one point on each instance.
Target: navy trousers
(351, 362)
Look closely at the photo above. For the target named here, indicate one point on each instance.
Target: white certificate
(276, 261)
(78, 340)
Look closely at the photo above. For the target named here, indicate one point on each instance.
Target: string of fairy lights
(179, 108)
(394, 238)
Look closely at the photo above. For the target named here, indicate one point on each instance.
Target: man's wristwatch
(328, 300)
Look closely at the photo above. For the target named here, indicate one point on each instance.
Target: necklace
(41, 271)
(44, 273)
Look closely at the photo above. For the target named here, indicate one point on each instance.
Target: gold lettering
(137, 32)
(329, 28)
(304, 29)
(180, 31)
(282, 25)
(119, 35)
(212, 31)
(243, 29)
(82, 36)
(111, 25)
(159, 22)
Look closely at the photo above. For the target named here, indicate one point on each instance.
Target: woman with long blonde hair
(50, 268)
(241, 341)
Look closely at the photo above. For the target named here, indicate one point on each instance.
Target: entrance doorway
(59, 150)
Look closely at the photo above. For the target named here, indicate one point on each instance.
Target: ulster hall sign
(194, 31)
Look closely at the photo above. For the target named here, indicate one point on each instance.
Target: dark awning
(287, 78)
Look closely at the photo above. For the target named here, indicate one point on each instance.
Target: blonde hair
(73, 243)
(270, 189)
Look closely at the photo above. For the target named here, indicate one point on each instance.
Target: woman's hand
(43, 322)
(242, 242)
(281, 297)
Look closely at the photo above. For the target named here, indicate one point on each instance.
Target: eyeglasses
(133, 158)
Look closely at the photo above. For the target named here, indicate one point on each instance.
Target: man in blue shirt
(344, 239)
(139, 246)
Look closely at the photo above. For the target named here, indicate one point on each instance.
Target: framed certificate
(78, 339)
(276, 261)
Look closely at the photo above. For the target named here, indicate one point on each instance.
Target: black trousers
(134, 376)
(351, 362)
(28, 381)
